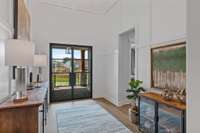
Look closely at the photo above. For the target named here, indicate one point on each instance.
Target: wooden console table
(25, 117)
(159, 115)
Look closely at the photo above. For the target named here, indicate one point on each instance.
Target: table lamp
(19, 53)
(40, 61)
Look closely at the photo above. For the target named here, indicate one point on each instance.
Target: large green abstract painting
(169, 66)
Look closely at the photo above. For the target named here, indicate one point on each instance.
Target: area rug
(88, 119)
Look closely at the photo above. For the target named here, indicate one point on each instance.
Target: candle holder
(167, 93)
(181, 95)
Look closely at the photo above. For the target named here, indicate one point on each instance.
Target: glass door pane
(71, 72)
(170, 120)
(61, 69)
(82, 70)
(147, 116)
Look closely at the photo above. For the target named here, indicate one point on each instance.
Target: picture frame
(168, 66)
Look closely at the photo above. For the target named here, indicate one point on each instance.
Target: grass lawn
(61, 80)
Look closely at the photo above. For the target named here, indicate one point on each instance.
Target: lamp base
(21, 99)
(38, 85)
(20, 80)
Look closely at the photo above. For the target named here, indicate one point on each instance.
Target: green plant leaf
(135, 88)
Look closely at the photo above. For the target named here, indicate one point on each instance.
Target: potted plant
(134, 89)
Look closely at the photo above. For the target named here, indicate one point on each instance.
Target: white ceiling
(90, 6)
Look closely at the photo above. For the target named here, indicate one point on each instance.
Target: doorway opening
(127, 63)
(70, 72)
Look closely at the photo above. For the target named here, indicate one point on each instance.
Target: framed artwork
(23, 21)
(168, 66)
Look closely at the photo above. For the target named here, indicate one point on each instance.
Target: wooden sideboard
(157, 115)
(25, 117)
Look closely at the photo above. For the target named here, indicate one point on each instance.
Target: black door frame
(52, 45)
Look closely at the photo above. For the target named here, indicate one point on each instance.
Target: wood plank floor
(121, 113)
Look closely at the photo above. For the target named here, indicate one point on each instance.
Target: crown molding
(63, 5)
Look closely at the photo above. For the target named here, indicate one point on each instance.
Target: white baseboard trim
(124, 102)
(117, 103)
(112, 100)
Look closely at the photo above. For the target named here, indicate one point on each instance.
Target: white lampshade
(19, 53)
(40, 60)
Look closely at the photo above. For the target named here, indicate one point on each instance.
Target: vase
(133, 115)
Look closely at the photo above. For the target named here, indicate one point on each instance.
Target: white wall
(113, 19)
(59, 25)
(126, 15)
(6, 15)
(5, 33)
(193, 65)
(168, 20)
(155, 22)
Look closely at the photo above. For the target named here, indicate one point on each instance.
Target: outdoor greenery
(63, 80)
(61, 70)
(60, 80)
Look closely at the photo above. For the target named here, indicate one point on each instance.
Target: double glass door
(70, 72)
